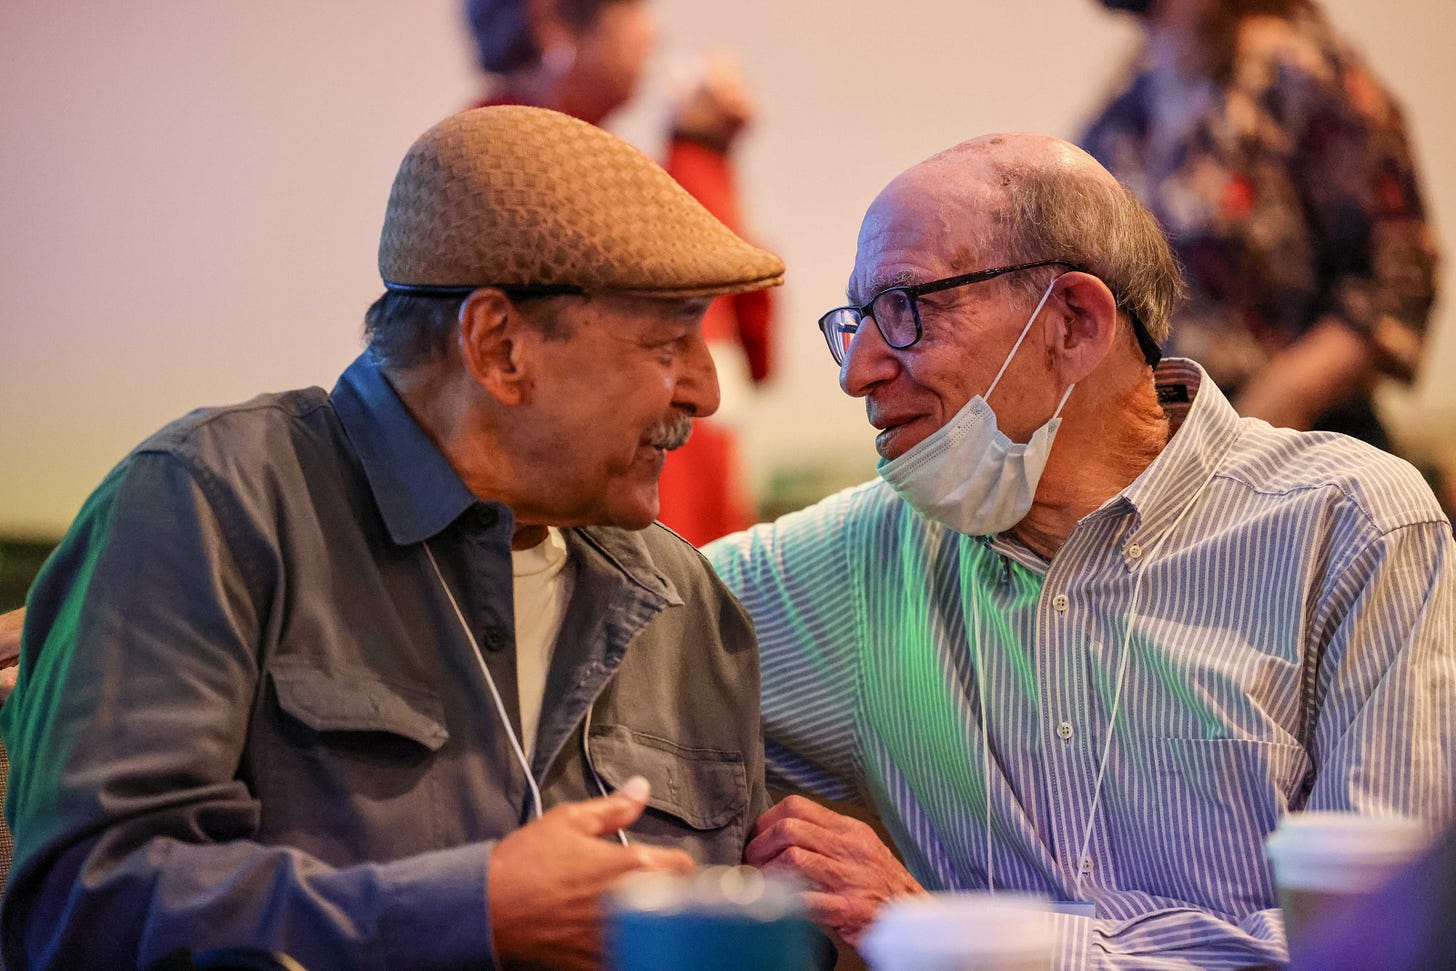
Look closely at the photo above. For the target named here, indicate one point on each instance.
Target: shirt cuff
(1073, 935)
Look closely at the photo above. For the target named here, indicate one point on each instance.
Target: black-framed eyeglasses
(896, 312)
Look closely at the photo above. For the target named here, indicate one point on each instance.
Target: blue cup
(720, 919)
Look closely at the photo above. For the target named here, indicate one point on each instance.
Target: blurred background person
(587, 58)
(1281, 170)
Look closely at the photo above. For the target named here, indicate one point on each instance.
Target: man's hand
(852, 871)
(547, 879)
(717, 106)
(10, 627)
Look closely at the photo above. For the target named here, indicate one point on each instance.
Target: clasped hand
(851, 871)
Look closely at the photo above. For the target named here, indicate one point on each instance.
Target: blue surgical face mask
(968, 475)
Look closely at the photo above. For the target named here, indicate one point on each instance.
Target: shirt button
(1087, 864)
(1133, 551)
(486, 517)
(1064, 731)
(495, 638)
(1060, 602)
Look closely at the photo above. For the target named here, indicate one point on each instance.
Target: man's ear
(1083, 323)
(491, 331)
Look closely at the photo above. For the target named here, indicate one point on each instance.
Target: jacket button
(496, 639)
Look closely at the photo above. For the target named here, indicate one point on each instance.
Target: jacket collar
(627, 551)
(419, 493)
(416, 489)
(618, 591)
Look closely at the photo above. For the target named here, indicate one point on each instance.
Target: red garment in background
(702, 488)
(703, 491)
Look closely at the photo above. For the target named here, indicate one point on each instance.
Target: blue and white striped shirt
(1291, 648)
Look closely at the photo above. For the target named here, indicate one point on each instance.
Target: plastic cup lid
(739, 890)
(1342, 852)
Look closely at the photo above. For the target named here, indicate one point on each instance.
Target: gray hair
(1077, 214)
(407, 330)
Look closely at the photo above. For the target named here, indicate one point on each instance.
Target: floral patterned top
(1289, 193)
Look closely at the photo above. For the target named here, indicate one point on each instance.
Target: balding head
(1018, 198)
(994, 160)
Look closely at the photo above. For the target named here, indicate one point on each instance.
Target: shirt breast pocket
(345, 765)
(699, 798)
(1200, 826)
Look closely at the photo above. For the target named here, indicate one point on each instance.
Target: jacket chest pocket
(345, 764)
(699, 796)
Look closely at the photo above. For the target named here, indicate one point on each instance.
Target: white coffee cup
(1323, 858)
(961, 932)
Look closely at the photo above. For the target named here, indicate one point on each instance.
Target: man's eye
(673, 344)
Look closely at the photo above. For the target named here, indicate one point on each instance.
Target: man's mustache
(672, 431)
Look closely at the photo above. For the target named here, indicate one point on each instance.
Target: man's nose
(697, 383)
(868, 363)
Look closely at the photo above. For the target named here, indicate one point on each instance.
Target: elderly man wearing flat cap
(402, 674)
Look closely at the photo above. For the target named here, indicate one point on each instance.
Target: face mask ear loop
(1065, 395)
(1017, 346)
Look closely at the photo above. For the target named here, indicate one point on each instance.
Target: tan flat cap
(525, 197)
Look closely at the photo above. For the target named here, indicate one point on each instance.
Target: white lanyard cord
(591, 766)
(490, 683)
(1137, 586)
(1137, 589)
(985, 758)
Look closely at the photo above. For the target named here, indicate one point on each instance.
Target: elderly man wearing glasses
(1091, 633)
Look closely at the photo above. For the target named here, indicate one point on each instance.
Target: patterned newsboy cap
(524, 197)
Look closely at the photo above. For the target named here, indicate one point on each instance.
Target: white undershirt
(542, 590)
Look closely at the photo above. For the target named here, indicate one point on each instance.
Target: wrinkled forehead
(933, 221)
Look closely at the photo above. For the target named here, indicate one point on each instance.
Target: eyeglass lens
(893, 312)
(839, 327)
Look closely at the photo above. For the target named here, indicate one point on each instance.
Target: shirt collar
(1205, 428)
(416, 489)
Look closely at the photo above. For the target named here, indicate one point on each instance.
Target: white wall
(191, 192)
